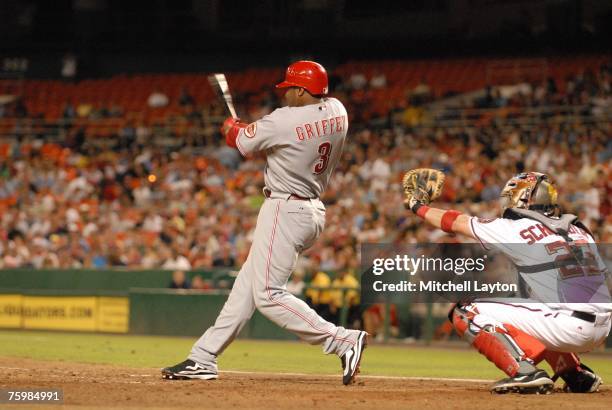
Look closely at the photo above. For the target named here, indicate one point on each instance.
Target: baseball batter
(557, 257)
(303, 143)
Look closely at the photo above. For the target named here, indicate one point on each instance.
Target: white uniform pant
(285, 227)
(556, 329)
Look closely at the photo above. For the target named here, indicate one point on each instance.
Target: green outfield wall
(189, 313)
(92, 279)
(139, 302)
(118, 301)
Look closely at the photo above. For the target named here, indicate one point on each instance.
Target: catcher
(516, 334)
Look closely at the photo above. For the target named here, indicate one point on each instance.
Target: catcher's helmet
(306, 74)
(530, 190)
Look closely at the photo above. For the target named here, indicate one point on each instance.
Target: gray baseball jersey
(303, 146)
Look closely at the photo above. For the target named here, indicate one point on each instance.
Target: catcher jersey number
(567, 255)
(324, 151)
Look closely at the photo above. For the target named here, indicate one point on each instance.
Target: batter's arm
(230, 129)
(257, 136)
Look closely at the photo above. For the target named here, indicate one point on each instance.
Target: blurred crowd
(588, 88)
(143, 198)
(145, 208)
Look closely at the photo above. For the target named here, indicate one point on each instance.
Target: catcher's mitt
(421, 186)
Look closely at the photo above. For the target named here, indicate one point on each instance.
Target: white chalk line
(319, 376)
(361, 376)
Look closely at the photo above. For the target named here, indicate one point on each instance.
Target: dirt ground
(103, 386)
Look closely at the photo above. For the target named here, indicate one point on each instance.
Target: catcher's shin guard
(561, 362)
(578, 377)
(511, 350)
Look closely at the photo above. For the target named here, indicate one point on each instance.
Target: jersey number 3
(324, 151)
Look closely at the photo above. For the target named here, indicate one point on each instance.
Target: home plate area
(102, 386)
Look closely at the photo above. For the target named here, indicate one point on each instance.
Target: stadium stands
(162, 186)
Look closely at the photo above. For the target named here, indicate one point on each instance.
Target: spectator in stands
(421, 93)
(69, 67)
(84, 110)
(114, 111)
(358, 81)
(199, 258)
(350, 299)
(488, 100)
(374, 320)
(157, 99)
(11, 258)
(185, 98)
(98, 254)
(491, 190)
(150, 259)
(198, 283)
(69, 111)
(318, 297)
(378, 80)
(179, 280)
(412, 116)
(224, 257)
(176, 261)
(20, 109)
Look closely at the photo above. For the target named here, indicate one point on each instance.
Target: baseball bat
(218, 82)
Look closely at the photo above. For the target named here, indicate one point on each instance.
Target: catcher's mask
(530, 190)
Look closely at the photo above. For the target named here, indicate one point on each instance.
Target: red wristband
(421, 211)
(232, 134)
(231, 127)
(448, 218)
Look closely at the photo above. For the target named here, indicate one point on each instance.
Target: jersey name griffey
(303, 146)
(566, 284)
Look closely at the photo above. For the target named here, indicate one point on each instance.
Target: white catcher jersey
(528, 243)
(303, 146)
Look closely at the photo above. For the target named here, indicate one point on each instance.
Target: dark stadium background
(115, 36)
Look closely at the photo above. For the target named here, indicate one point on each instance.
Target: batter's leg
(236, 312)
(292, 227)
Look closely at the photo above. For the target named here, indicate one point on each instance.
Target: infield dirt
(104, 386)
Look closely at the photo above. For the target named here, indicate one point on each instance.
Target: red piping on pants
(311, 324)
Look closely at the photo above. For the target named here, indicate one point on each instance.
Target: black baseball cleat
(352, 359)
(536, 382)
(188, 370)
(581, 380)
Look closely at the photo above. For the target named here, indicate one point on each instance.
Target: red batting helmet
(306, 74)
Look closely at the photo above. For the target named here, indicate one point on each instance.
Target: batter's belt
(284, 195)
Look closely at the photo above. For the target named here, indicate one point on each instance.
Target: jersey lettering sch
(547, 262)
(303, 146)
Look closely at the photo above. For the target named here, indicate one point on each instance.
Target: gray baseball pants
(285, 227)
